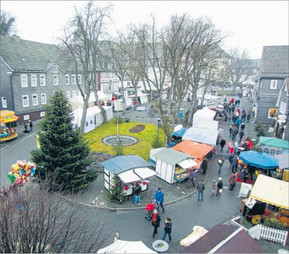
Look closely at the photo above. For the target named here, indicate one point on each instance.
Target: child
(167, 228)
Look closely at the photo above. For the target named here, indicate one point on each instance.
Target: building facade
(30, 73)
(271, 93)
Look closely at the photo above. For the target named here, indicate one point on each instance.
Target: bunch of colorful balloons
(21, 171)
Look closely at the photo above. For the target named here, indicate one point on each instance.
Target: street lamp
(158, 133)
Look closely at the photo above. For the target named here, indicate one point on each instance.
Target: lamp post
(158, 133)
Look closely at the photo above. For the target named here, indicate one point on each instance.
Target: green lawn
(142, 148)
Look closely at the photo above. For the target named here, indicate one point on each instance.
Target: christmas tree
(62, 159)
(116, 193)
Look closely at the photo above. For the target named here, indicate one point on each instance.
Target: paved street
(131, 224)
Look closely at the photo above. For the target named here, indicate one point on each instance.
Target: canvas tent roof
(204, 114)
(207, 124)
(277, 142)
(120, 246)
(171, 156)
(206, 136)
(123, 163)
(179, 133)
(194, 149)
(224, 239)
(283, 160)
(272, 191)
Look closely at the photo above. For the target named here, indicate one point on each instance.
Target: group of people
(26, 126)
(156, 218)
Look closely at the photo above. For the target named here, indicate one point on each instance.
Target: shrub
(126, 120)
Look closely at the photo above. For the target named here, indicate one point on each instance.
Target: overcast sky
(249, 24)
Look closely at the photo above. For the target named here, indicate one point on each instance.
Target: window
(34, 99)
(79, 79)
(55, 80)
(33, 80)
(273, 84)
(4, 102)
(43, 98)
(73, 93)
(67, 94)
(42, 80)
(73, 81)
(26, 117)
(67, 79)
(55, 69)
(42, 114)
(25, 101)
(24, 82)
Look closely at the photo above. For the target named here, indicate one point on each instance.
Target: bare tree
(239, 69)
(7, 25)
(35, 221)
(175, 59)
(82, 39)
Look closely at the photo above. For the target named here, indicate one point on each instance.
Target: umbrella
(259, 160)
(120, 246)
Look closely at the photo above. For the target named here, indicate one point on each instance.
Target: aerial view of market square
(144, 127)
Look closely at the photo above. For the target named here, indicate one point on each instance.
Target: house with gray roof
(30, 73)
(271, 93)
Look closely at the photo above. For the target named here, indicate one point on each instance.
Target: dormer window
(55, 69)
(273, 84)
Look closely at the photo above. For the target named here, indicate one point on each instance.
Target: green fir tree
(62, 159)
(115, 193)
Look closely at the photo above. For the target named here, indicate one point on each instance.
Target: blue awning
(259, 160)
(179, 133)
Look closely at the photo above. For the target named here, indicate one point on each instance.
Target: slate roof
(275, 61)
(29, 56)
(124, 163)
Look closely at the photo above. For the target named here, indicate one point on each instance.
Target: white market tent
(120, 246)
(206, 124)
(204, 114)
(93, 119)
(201, 135)
(272, 191)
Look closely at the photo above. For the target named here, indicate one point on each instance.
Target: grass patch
(142, 148)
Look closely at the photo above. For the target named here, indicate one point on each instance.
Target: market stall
(201, 135)
(203, 114)
(283, 162)
(268, 200)
(130, 169)
(273, 146)
(173, 166)
(194, 149)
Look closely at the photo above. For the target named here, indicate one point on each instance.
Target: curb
(114, 209)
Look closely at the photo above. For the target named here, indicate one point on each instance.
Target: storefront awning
(129, 177)
(187, 163)
(145, 172)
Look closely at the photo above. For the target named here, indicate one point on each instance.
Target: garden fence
(271, 234)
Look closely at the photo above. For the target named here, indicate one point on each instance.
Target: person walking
(241, 135)
(219, 186)
(167, 228)
(192, 177)
(231, 131)
(220, 162)
(204, 166)
(222, 144)
(234, 164)
(31, 125)
(156, 219)
(159, 198)
(234, 133)
(248, 117)
(214, 187)
(200, 188)
(232, 181)
(136, 192)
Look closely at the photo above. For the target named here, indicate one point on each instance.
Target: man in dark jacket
(222, 144)
(220, 162)
(136, 192)
(167, 228)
